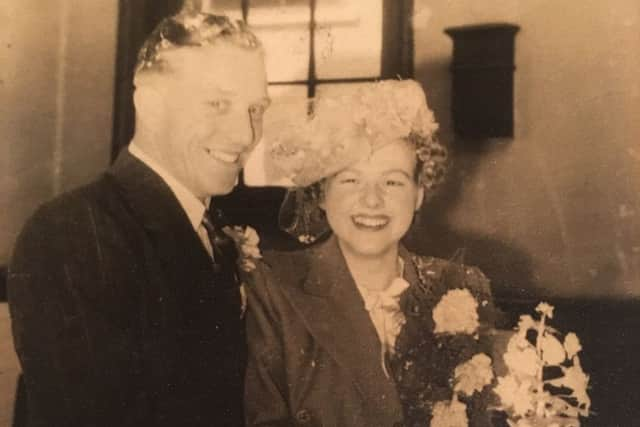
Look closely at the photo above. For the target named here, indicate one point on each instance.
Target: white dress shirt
(192, 206)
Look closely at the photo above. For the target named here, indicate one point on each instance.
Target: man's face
(206, 113)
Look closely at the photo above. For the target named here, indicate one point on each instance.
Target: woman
(345, 333)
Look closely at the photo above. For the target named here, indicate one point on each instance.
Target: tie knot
(213, 220)
(208, 224)
(387, 299)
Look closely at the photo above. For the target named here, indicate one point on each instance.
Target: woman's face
(370, 205)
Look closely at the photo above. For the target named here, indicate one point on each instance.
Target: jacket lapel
(168, 229)
(334, 313)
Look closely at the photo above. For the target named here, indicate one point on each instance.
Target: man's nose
(255, 121)
(372, 196)
(242, 132)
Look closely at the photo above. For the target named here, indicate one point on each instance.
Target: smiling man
(124, 297)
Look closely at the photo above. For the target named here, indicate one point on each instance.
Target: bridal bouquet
(544, 384)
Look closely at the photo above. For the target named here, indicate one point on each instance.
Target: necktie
(224, 253)
(385, 313)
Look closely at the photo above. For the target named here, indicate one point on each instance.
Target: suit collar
(146, 192)
(156, 208)
(193, 207)
(332, 309)
(328, 267)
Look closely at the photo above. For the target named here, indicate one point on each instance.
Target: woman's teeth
(370, 222)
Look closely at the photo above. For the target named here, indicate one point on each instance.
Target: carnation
(474, 374)
(457, 312)
(449, 414)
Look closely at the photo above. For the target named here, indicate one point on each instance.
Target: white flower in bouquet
(449, 414)
(515, 395)
(572, 345)
(456, 312)
(473, 375)
(522, 361)
(528, 398)
(552, 350)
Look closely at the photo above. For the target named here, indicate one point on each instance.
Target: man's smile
(223, 156)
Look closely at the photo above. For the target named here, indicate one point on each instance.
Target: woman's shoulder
(293, 262)
(450, 272)
(437, 276)
(284, 268)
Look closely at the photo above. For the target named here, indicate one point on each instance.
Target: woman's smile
(370, 222)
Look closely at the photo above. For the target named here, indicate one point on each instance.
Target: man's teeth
(370, 222)
(225, 157)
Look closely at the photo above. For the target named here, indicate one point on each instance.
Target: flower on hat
(346, 127)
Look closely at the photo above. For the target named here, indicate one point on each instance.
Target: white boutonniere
(456, 312)
(246, 240)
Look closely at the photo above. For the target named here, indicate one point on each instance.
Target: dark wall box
(482, 90)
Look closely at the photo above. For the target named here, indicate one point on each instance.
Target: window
(312, 43)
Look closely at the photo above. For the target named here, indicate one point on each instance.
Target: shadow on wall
(505, 264)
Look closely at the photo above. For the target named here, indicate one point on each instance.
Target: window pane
(336, 88)
(287, 103)
(231, 8)
(348, 41)
(283, 28)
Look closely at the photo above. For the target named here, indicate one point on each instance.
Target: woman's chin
(369, 249)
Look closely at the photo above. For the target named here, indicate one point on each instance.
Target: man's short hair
(191, 28)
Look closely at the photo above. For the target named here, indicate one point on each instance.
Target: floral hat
(347, 127)
(342, 129)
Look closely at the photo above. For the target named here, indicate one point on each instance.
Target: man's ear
(420, 197)
(146, 99)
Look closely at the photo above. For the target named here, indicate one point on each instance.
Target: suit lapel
(334, 313)
(168, 229)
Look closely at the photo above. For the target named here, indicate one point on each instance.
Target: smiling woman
(356, 308)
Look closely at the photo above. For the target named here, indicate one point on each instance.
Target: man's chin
(223, 188)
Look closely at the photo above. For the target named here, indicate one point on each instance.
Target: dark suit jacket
(314, 355)
(116, 319)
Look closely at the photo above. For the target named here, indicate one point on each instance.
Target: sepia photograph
(344, 213)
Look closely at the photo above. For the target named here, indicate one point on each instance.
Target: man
(125, 312)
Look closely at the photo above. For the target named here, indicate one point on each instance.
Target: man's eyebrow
(396, 170)
(265, 101)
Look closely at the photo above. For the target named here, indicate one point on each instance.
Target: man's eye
(348, 181)
(256, 110)
(394, 183)
(220, 105)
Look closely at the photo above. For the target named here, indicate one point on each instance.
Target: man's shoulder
(74, 217)
(68, 208)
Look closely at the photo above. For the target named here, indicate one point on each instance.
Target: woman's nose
(372, 196)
